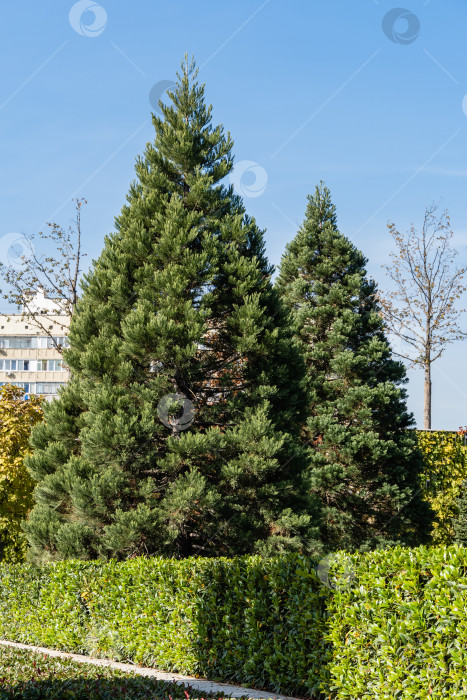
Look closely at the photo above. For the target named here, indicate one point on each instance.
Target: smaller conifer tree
(364, 463)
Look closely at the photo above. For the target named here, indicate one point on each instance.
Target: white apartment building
(28, 357)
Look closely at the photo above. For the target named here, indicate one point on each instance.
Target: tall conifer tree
(179, 303)
(364, 464)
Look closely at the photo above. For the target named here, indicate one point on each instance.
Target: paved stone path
(236, 691)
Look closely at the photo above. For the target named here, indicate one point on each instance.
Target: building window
(17, 343)
(20, 342)
(14, 365)
(58, 341)
(48, 387)
(22, 385)
(8, 365)
(55, 366)
(50, 366)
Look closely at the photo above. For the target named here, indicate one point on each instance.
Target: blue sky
(309, 90)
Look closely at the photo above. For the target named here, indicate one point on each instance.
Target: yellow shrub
(17, 417)
(445, 455)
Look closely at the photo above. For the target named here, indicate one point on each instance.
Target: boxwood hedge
(394, 625)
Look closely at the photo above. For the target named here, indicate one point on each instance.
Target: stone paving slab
(236, 691)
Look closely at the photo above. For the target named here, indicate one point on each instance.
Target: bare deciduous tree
(423, 310)
(56, 277)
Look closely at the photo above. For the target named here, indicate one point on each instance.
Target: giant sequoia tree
(179, 303)
(364, 465)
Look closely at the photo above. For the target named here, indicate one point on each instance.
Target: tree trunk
(427, 398)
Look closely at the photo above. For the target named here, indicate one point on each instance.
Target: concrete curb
(236, 691)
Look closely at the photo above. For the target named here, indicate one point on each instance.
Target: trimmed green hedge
(253, 621)
(400, 629)
(395, 627)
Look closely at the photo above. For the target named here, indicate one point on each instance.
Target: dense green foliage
(17, 418)
(400, 629)
(389, 624)
(364, 465)
(445, 470)
(178, 307)
(34, 676)
(460, 521)
(248, 620)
